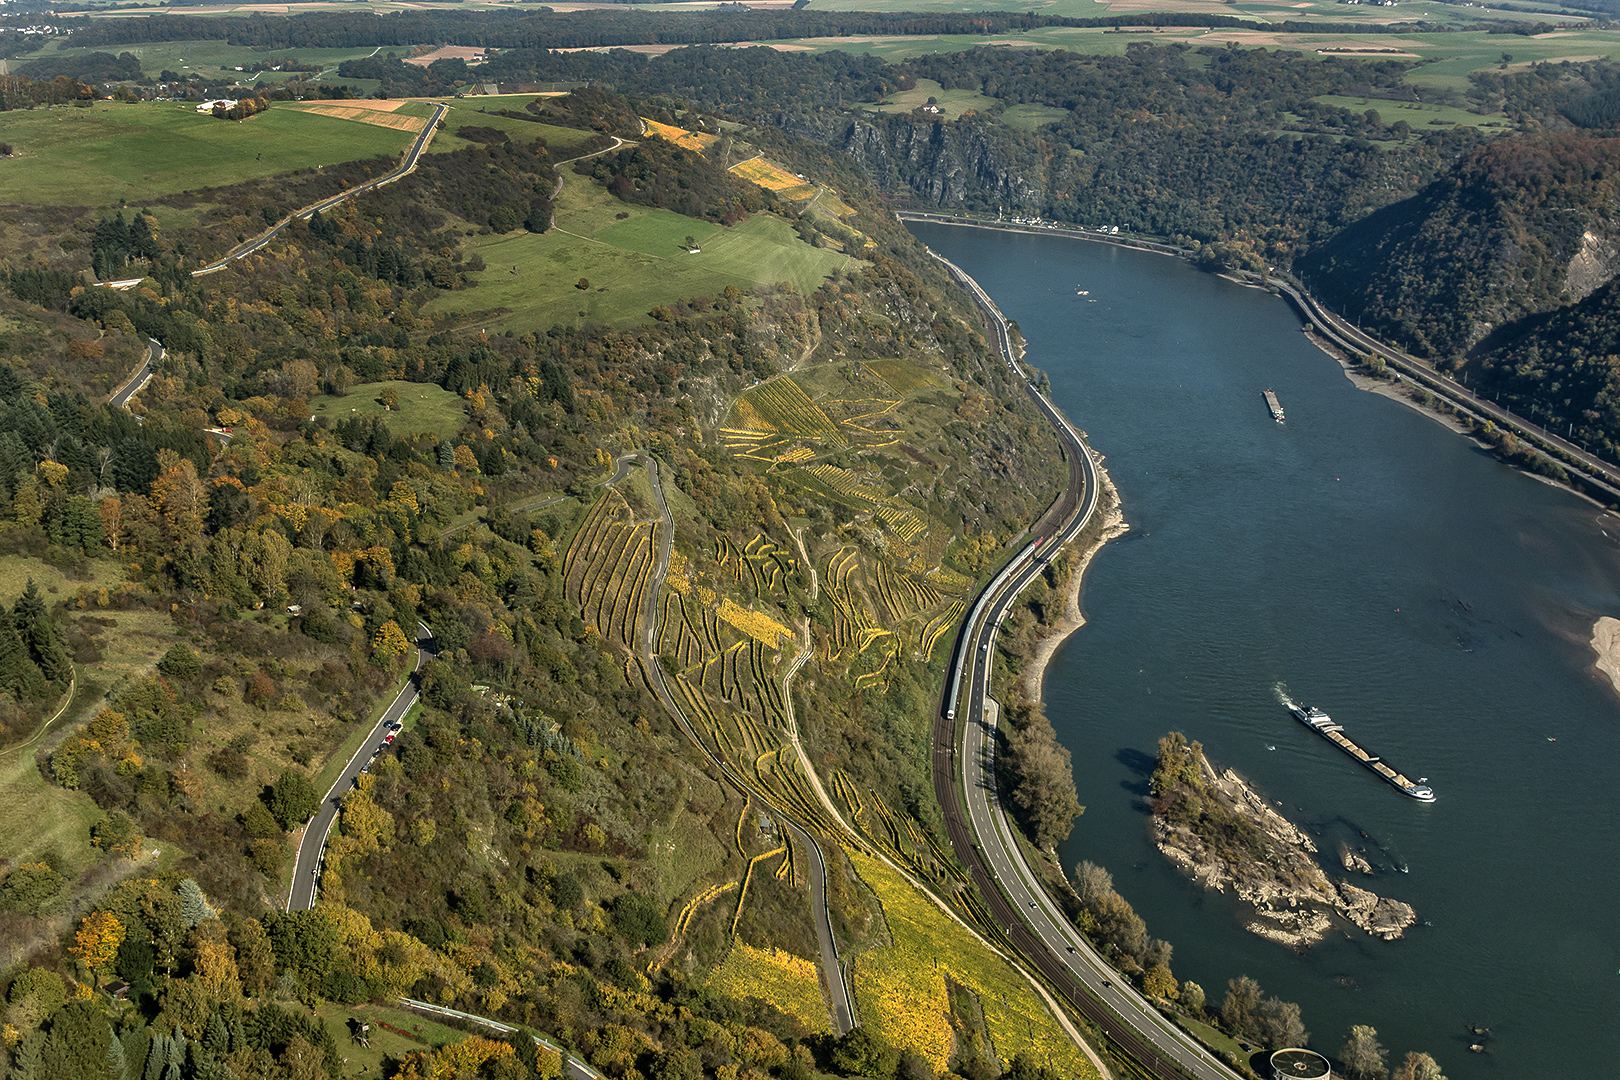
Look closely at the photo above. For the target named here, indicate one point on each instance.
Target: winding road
(312, 848)
(406, 167)
(831, 967)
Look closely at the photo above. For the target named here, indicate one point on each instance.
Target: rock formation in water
(1220, 832)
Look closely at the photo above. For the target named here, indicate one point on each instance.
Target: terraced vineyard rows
(607, 567)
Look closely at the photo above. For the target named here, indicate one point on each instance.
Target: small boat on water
(1274, 405)
(1321, 723)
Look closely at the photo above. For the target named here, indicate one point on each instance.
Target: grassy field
(951, 103)
(560, 139)
(423, 407)
(630, 265)
(1416, 113)
(114, 151)
(211, 58)
(365, 1062)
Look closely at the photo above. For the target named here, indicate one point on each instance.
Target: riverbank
(1111, 522)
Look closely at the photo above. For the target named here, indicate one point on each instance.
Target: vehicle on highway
(388, 738)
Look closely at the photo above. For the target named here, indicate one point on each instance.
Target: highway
(312, 849)
(978, 830)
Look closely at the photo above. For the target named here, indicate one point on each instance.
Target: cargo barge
(1274, 405)
(1321, 723)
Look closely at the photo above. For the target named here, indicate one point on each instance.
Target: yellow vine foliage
(789, 982)
(756, 624)
(900, 989)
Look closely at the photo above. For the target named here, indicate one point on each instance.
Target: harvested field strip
(773, 177)
(689, 140)
(375, 117)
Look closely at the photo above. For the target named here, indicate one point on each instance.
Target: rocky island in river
(1218, 830)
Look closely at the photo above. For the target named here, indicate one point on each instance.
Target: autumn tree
(1418, 1066)
(1239, 1011)
(180, 497)
(389, 642)
(1363, 1056)
(97, 940)
(1040, 776)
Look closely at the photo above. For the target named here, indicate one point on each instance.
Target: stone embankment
(1293, 900)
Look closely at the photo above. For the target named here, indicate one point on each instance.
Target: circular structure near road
(1299, 1064)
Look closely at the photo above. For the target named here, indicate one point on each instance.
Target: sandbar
(1606, 643)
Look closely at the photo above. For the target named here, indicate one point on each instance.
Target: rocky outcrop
(943, 164)
(1273, 869)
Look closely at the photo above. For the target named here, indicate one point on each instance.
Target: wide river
(1362, 558)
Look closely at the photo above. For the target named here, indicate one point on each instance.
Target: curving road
(154, 353)
(977, 828)
(312, 848)
(406, 167)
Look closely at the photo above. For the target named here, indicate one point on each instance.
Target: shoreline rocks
(1294, 901)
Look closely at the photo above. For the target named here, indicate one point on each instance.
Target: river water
(1362, 558)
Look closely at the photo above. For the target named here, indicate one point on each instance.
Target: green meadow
(208, 58)
(423, 407)
(629, 265)
(112, 151)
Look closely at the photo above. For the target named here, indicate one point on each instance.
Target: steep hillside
(1521, 226)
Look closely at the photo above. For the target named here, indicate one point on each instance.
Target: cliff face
(1215, 828)
(943, 164)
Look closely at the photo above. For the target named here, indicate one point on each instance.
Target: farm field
(1451, 56)
(112, 150)
(631, 266)
(422, 407)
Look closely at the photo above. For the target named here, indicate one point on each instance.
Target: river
(1362, 558)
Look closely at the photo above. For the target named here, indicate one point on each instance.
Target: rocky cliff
(966, 162)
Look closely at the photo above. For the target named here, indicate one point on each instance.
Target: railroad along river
(1361, 558)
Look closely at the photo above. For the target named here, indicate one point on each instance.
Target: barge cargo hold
(1321, 723)
(1274, 405)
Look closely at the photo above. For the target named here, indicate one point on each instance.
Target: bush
(638, 919)
(180, 663)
